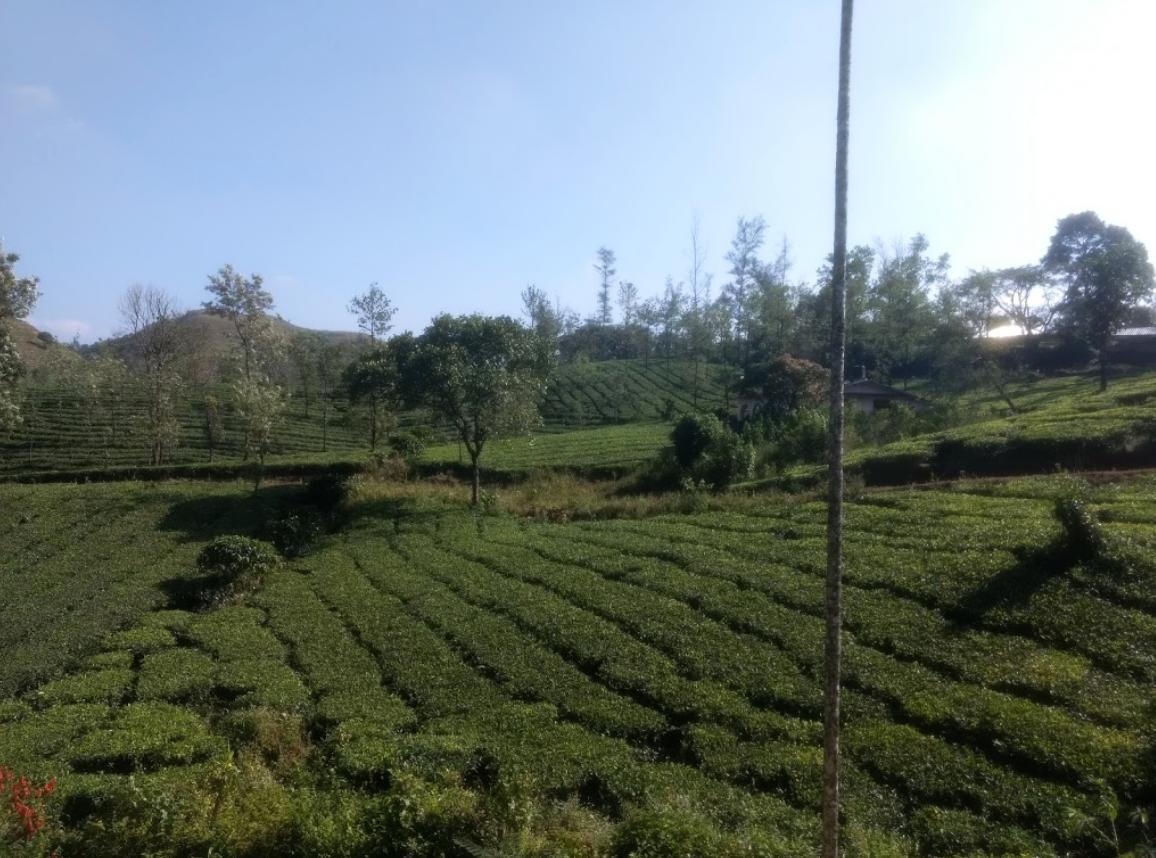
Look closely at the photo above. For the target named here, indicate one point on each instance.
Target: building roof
(1136, 332)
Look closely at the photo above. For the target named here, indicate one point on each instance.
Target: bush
(692, 435)
(295, 532)
(407, 443)
(802, 437)
(233, 565)
(327, 493)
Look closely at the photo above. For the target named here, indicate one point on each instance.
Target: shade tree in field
(259, 402)
(483, 375)
(155, 348)
(375, 377)
(1105, 273)
(374, 313)
(245, 302)
(17, 297)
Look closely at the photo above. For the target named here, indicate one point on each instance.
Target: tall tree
(374, 312)
(244, 302)
(483, 375)
(17, 296)
(833, 607)
(1105, 272)
(606, 271)
(156, 346)
(545, 319)
(375, 376)
(745, 267)
(628, 302)
(258, 401)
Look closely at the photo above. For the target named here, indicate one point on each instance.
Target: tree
(374, 312)
(17, 296)
(213, 426)
(155, 348)
(258, 401)
(483, 375)
(304, 348)
(375, 377)
(628, 302)
(1105, 272)
(1025, 296)
(833, 607)
(244, 302)
(745, 268)
(900, 316)
(606, 271)
(331, 359)
(260, 406)
(545, 319)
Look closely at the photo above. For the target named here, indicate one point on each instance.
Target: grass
(644, 681)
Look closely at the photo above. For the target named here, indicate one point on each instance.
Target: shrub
(692, 435)
(327, 493)
(233, 565)
(295, 532)
(407, 443)
(802, 437)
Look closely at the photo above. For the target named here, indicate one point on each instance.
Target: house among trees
(866, 395)
(861, 394)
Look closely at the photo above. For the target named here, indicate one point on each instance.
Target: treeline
(907, 317)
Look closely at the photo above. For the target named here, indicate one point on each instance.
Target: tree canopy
(483, 375)
(1105, 272)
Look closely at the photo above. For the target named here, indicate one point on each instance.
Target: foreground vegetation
(428, 681)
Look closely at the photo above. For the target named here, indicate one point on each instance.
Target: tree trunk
(833, 655)
(475, 489)
(373, 423)
(324, 423)
(1103, 369)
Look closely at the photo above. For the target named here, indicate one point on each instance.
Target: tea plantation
(427, 682)
(63, 431)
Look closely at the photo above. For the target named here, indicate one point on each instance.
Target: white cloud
(30, 98)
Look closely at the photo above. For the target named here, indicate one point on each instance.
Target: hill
(426, 679)
(32, 348)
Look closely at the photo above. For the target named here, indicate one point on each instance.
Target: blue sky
(456, 151)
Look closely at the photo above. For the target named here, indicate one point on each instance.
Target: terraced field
(62, 432)
(660, 675)
(622, 391)
(603, 448)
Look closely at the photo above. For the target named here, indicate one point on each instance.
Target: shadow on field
(215, 515)
(397, 512)
(1015, 586)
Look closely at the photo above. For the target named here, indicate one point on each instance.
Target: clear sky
(456, 151)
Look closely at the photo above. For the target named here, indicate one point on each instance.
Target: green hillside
(65, 431)
(603, 685)
(1061, 422)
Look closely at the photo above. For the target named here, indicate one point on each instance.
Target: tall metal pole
(833, 654)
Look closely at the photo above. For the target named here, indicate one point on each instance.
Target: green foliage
(646, 686)
(693, 435)
(233, 565)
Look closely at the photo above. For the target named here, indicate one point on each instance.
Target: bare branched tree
(155, 348)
